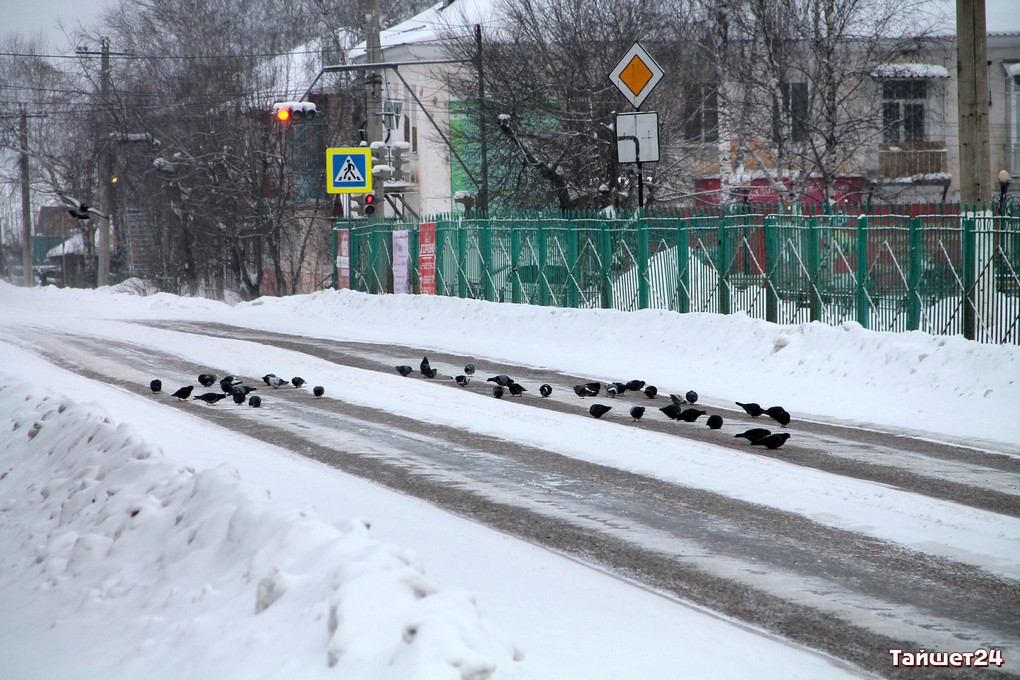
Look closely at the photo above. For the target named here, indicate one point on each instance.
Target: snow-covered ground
(137, 540)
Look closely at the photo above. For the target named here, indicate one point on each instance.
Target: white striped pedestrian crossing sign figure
(349, 171)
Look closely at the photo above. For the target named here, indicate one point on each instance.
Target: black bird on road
(404, 370)
(672, 411)
(612, 390)
(462, 380)
(677, 399)
(206, 379)
(502, 380)
(267, 377)
(754, 434)
(778, 414)
(275, 382)
(581, 391)
(156, 385)
(715, 421)
(238, 397)
(297, 382)
(318, 391)
(228, 384)
(689, 415)
(184, 392)
(469, 369)
(635, 385)
(599, 410)
(545, 390)
(651, 391)
(636, 412)
(497, 392)
(211, 397)
(426, 368)
(772, 441)
(516, 389)
(691, 397)
(752, 409)
(254, 401)
(243, 390)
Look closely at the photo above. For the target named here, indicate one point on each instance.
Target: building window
(701, 115)
(795, 107)
(903, 103)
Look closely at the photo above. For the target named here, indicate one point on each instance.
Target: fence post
(485, 246)
(335, 250)
(862, 306)
(543, 256)
(771, 267)
(968, 248)
(414, 248)
(722, 266)
(357, 275)
(462, 278)
(914, 275)
(643, 256)
(683, 267)
(573, 267)
(814, 258)
(515, 260)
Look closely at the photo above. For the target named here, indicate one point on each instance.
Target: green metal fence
(944, 271)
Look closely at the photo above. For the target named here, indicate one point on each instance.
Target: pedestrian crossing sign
(349, 171)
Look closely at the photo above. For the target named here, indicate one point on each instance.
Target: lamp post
(1003, 188)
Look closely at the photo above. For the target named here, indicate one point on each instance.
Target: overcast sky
(29, 16)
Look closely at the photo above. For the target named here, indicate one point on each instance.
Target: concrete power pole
(972, 81)
(106, 175)
(373, 95)
(28, 277)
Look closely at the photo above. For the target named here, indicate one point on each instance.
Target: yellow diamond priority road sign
(636, 75)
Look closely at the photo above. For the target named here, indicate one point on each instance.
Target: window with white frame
(903, 109)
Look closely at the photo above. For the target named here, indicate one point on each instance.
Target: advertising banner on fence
(343, 258)
(427, 258)
(401, 262)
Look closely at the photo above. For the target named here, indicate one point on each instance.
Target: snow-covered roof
(74, 245)
(916, 71)
(430, 25)
(1012, 69)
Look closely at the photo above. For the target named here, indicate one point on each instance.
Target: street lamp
(1003, 188)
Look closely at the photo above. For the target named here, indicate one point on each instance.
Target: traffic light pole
(27, 275)
(373, 94)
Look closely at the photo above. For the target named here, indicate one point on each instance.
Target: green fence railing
(944, 271)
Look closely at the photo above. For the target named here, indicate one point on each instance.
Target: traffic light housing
(369, 204)
(285, 112)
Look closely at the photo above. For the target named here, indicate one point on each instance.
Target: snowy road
(842, 591)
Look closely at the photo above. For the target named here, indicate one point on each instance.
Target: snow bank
(276, 584)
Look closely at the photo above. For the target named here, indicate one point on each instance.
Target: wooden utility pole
(27, 255)
(972, 84)
(106, 174)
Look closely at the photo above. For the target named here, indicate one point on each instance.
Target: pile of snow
(202, 556)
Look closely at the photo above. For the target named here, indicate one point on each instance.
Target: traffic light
(398, 162)
(369, 205)
(381, 169)
(284, 112)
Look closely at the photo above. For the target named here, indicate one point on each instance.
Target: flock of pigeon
(679, 409)
(234, 388)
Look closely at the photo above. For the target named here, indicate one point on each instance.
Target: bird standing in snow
(469, 369)
(318, 391)
(211, 397)
(156, 385)
(636, 412)
(691, 397)
(297, 382)
(275, 382)
(502, 380)
(651, 391)
(778, 414)
(254, 401)
(689, 415)
(184, 392)
(497, 392)
(754, 434)
(772, 441)
(206, 379)
(751, 408)
(599, 410)
(404, 370)
(238, 397)
(462, 380)
(672, 411)
(715, 421)
(516, 389)
(635, 385)
(545, 389)
(426, 368)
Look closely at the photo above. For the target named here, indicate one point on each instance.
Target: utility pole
(972, 81)
(373, 95)
(483, 194)
(106, 174)
(27, 255)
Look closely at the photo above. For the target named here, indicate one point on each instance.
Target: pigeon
(651, 391)
(689, 415)
(318, 391)
(611, 390)
(636, 412)
(211, 397)
(425, 367)
(254, 401)
(691, 397)
(243, 390)
(599, 410)
(462, 380)
(404, 370)
(545, 390)
(502, 380)
(635, 385)
(752, 409)
(672, 411)
(228, 384)
(778, 414)
(677, 399)
(593, 388)
(581, 391)
(184, 392)
(497, 392)
(275, 382)
(238, 397)
(433, 372)
(206, 379)
(469, 369)
(772, 441)
(715, 422)
(156, 385)
(267, 377)
(81, 210)
(516, 389)
(754, 433)
(297, 382)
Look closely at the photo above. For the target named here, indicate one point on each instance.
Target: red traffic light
(369, 204)
(283, 115)
(284, 112)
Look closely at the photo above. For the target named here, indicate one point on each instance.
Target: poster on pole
(343, 258)
(427, 258)
(401, 260)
